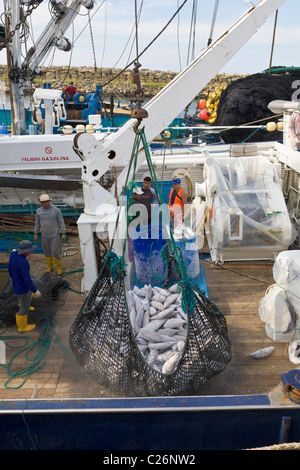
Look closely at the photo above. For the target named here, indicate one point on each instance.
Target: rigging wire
(92, 16)
(149, 45)
(136, 32)
(92, 41)
(191, 46)
(178, 43)
(273, 40)
(70, 60)
(213, 22)
(105, 32)
(125, 47)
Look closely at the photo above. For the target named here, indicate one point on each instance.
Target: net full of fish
(159, 325)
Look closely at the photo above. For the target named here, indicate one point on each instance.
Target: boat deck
(235, 287)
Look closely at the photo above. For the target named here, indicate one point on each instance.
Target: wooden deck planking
(236, 288)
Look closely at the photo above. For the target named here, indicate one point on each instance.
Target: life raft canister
(294, 129)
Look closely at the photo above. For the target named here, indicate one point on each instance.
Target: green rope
(16, 237)
(160, 200)
(117, 264)
(36, 362)
(188, 297)
(28, 346)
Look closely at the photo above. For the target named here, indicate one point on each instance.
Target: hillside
(85, 79)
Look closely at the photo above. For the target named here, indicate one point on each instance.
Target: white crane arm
(165, 106)
(53, 34)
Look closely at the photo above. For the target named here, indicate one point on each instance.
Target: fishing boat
(253, 402)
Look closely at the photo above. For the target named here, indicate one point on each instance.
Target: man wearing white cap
(49, 220)
(23, 286)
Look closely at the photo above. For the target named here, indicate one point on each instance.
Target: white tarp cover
(248, 206)
(279, 309)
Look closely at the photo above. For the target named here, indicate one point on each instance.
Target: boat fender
(37, 116)
(294, 352)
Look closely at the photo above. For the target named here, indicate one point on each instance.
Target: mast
(13, 21)
(63, 15)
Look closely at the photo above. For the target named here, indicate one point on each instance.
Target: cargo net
(134, 347)
(43, 308)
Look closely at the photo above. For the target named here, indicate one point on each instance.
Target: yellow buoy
(67, 129)
(271, 126)
(280, 126)
(90, 128)
(80, 128)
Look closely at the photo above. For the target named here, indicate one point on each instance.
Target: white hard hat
(138, 190)
(45, 197)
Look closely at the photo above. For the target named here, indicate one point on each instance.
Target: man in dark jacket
(146, 197)
(23, 286)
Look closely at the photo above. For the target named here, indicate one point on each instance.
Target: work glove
(35, 238)
(37, 295)
(63, 238)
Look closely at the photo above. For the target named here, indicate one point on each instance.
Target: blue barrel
(149, 265)
(3, 129)
(191, 257)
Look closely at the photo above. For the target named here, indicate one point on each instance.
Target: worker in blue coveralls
(23, 286)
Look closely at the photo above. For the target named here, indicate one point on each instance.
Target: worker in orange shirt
(177, 201)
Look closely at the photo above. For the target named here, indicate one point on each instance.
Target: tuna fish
(261, 353)
(159, 324)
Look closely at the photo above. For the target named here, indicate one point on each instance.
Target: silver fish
(157, 305)
(165, 356)
(145, 303)
(139, 292)
(174, 289)
(174, 323)
(146, 319)
(155, 324)
(180, 345)
(163, 313)
(170, 300)
(133, 322)
(261, 353)
(130, 301)
(170, 364)
(159, 324)
(150, 335)
(161, 346)
(152, 356)
(161, 291)
(139, 316)
(149, 292)
(158, 298)
(152, 311)
(166, 331)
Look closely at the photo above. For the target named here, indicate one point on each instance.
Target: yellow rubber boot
(22, 324)
(50, 264)
(58, 266)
